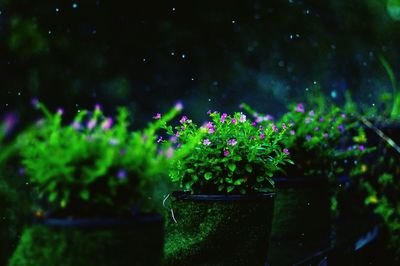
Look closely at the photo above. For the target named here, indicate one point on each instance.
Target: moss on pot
(225, 230)
(138, 243)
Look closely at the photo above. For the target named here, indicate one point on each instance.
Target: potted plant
(323, 158)
(224, 212)
(97, 182)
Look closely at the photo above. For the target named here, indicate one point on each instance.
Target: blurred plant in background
(95, 166)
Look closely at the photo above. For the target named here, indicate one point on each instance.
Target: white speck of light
(183, 56)
(333, 94)
(315, 83)
(57, 9)
(49, 31)
(74, 5)
(192, 79)
(233, 22)
(172, 53)
(144, 59)
(173, 9)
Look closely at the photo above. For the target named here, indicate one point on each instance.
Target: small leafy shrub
(229, 155)
(95, 166)
(321, 143)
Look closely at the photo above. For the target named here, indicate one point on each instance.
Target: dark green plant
(230, 155)
(93, 167)
(393, 110)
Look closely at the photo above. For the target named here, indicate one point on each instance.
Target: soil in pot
(302, 223)
(100, 242)
(219, 230)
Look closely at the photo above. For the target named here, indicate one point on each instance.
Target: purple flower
(262, 136)
(311, 113)
(253, 124)
(233, 121)
(60, 111)
(341, 128)
(242, 118)
(274, 128)
(170, 152)
(232, 142)
(177, 134)
(113, 142)
(76, 125)
(308, 137)
(210, 127)
(182, 128)
(157, 116)
(226, 153)
(107, 124)
(259, 119)
(35, 102)
(284, 126)
(326, 135)
(159, 139)
(91, 124)
(251, 137)
(292, 132)
(97, 107)
(361, 147)
(223, 117)
(321, 119)
(209, 112)
(299, 108)
(316, 128)
(183, 119)
(268, 118)
(173, 139)
(9, 122)
(343, 115)
(307, 120)
(286, 151)
(206, 142)
(179, 106)
(121, 174)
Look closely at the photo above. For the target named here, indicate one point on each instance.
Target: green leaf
(260, 179)
(85, 194)
(221, 187)
(249, 168)
(208, 176)
(230, 188)
(232, 167)
(239, 181)
(53, 196)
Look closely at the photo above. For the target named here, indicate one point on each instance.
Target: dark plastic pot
(82, 242)
(302, 223)
(219, 229)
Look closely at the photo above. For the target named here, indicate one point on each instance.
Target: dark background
(208, 54)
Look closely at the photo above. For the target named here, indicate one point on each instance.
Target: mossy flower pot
(218, 229)
(302, 223)
(82, 242)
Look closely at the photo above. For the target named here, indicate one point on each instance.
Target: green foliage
(395, 105)
(94, 168)
(228, 155)
(321, 142)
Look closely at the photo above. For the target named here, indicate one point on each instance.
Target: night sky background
(207, 54)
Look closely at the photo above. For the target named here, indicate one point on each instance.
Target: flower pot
(219, 229)
(301, 224)
(82, 242)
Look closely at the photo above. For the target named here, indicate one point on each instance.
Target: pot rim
(70, 222)
(182, 195)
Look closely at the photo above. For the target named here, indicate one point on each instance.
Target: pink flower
(284, 126)
(159, 139)
(361, 147)
(226, 153)
(286, 151)
(206, 142)
(233, 121)
(259, 119)
(107, 124)
(173, 139)
(179, 106)
(97, 107)
(223, 117)
(91, 124)
(210, 127)
(170, 152)
(316, 128)
(300, 108)
(177, 134)
(60, 111)
(292, 132)
(157, 116)
(209, 112)
(321, 119)
(76, 125)
(182, 128)
(274, 128)
(262, 136)
(253, 124)
(183, 119)
(232, 142)
(242, 118)
(268, 118)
